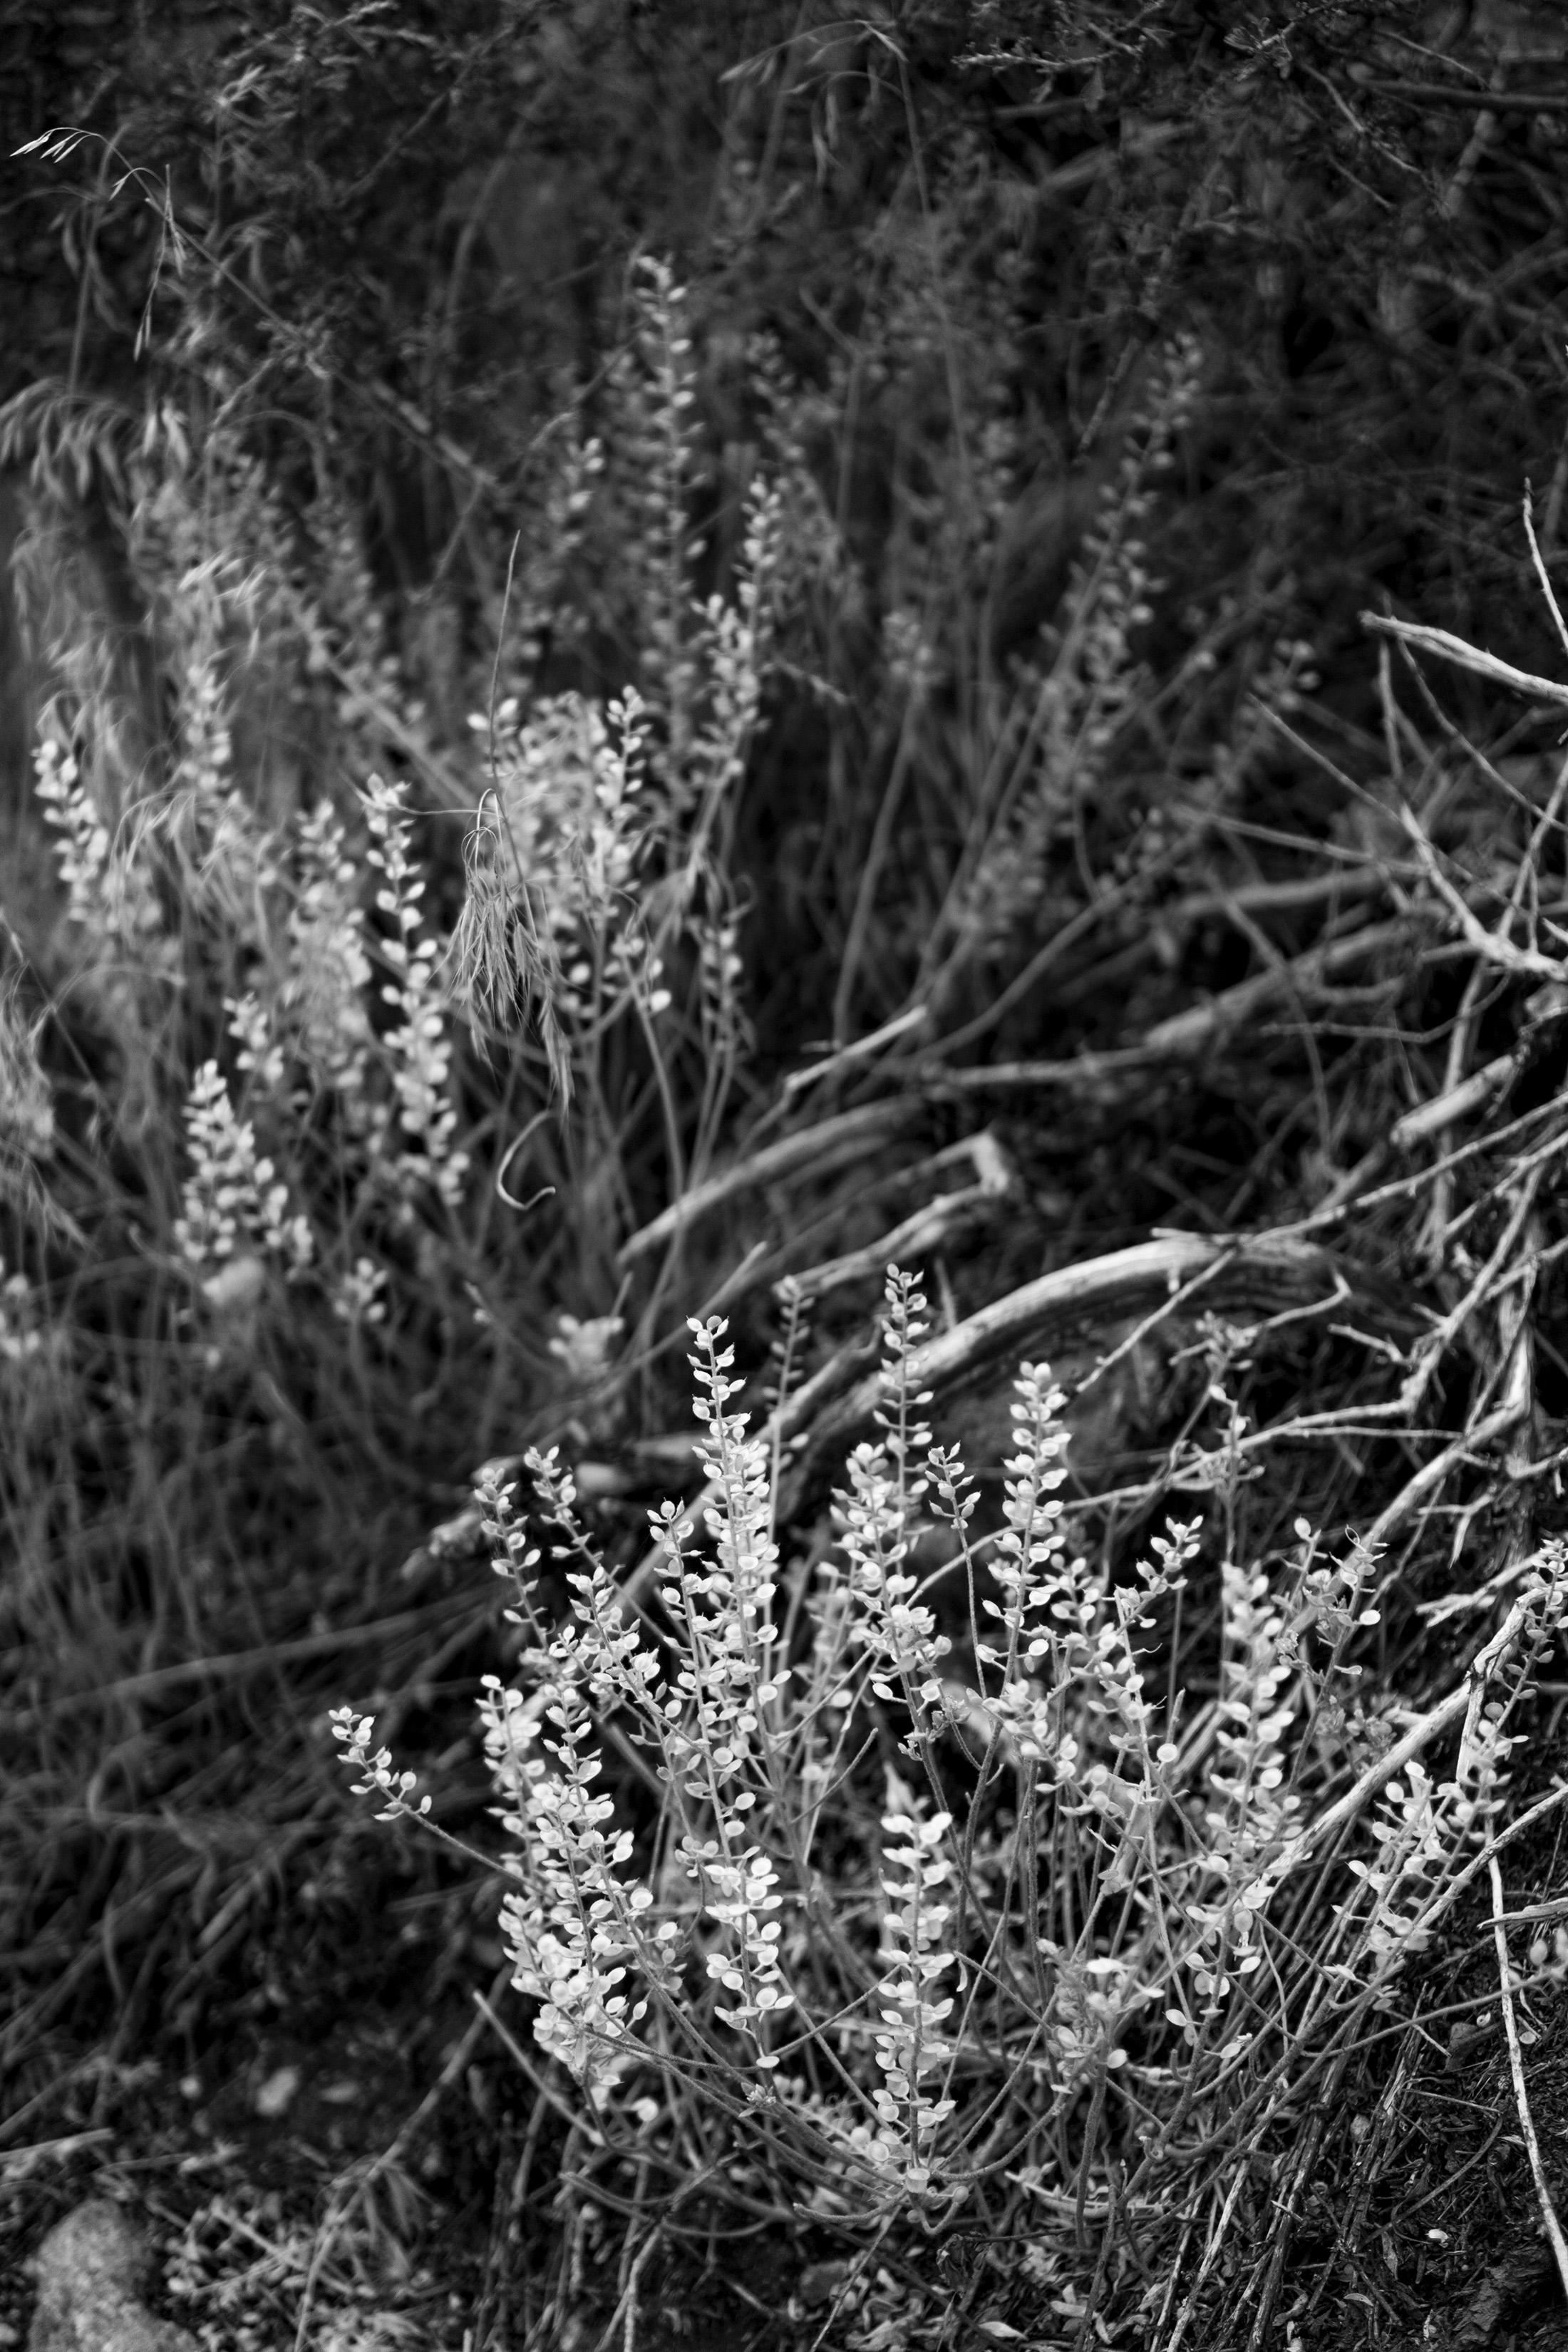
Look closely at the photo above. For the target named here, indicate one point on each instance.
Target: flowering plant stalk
(1071, 1892)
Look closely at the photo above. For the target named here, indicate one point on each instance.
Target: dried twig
(1466, 656)
(1484, 1284)
(1455, 1103)
(1202, 1026)
(1490, 946)
(1516, 2066)
(931, 1224)
(1217, 2234)
(813, 1151)
(1185, 1036)
(1325, 1827)
(863, 1049)
(1433, 1476)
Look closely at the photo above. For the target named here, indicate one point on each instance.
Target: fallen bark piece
(89, 2269)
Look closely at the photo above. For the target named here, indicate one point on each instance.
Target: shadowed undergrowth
(906, 675)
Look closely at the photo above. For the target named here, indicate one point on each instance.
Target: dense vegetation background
(976, 436)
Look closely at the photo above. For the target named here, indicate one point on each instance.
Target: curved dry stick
(827, 1416)
(1259, 1276)
(812, 1150)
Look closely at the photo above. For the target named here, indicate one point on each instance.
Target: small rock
(90, 2268)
